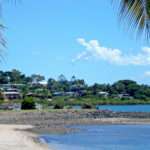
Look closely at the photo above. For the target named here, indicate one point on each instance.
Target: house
(43, 83)
(41, 96)
(69, 93)
(12, 93)
(38, 83)
(58, 94)
(103, 94)
(125, 96)
(7, 86)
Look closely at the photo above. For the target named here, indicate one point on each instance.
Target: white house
(103, 94)
(125, 96)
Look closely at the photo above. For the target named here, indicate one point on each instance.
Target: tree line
(62, 84)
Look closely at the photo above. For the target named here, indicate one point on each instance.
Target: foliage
(96, 100)
(1, 96)
(138, 14)
(76, 91)
(27, 104)
(86, 106)
(36, 78)
(58, 106)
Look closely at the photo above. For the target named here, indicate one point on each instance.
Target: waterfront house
(103, 94)
(125, 96)
(7, 86)
(12, 93)
(70, 93)
(58, 94)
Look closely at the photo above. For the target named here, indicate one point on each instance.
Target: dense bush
(58, 106)
(28, 103)
(86, 106)
(1, 96)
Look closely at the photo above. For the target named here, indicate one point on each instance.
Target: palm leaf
(138, 14)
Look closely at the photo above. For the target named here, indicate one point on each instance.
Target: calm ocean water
(123, 108)
(104, 137)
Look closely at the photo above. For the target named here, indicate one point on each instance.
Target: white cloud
(93, 49)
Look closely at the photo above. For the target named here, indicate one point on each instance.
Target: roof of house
(102, 92)
(9, 93)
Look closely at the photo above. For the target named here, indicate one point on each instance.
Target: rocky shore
(59, 120)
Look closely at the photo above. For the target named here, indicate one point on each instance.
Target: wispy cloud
(93, 49)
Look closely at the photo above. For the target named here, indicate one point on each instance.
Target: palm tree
(2, 27)
(2, 40)
(138, 14)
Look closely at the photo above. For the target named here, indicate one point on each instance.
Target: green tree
(119, 87)
(28, 103)
(73, 79)
(16, 76)
(52, 85)
(3, 78)
(62, 78)
(126, 86)
(95, 89)
(36, 78)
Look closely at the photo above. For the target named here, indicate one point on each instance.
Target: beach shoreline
(45, 122)
(14, 137)
(26, 137)
(21, 130)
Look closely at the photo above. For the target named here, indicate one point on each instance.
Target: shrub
(1, 96)
(68, 107)
(28, 104)
(86, 106)
(58, 106)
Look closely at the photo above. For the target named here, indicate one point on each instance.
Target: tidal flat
(57, 121)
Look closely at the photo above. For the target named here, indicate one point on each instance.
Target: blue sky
(73, 37)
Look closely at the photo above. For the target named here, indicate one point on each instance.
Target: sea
(120, 108)
(104, 137)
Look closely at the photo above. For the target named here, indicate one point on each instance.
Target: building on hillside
(70, 93)
(43, 83)
(12, 93)
(103, 94)
(7, 86)
(58, 94)
(38, 95)
(38, 84)
(125, 96)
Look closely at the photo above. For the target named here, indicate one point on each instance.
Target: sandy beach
(13, 137)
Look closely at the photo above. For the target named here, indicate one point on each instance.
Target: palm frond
(138, 14)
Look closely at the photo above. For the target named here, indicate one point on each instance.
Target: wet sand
(57, 121)
(13, 137)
